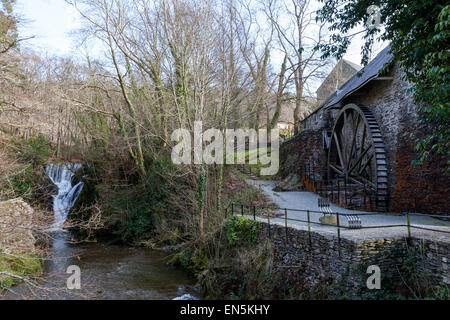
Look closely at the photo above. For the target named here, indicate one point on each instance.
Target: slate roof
(369, 72)
(360, 79)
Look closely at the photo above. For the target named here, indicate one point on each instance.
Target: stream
(107, 271)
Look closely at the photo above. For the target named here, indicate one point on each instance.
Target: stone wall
(304, 149)
(314, 259)
(421, 188)
(16, 218)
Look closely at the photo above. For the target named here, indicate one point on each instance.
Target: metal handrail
(338, 214)
(359, 213)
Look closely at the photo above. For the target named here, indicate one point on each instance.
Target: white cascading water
(62, 175)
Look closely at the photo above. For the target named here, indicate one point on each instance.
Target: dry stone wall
(323, 258)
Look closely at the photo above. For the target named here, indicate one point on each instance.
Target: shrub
(241, 230)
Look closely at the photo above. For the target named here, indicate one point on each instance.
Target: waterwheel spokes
(339, 151)
(357, 150)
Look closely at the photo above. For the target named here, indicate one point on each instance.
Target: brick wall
(422, 188)
(304, 149)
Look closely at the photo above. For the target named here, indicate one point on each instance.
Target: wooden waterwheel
(357, 152)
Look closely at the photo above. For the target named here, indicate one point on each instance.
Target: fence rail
(251, 210)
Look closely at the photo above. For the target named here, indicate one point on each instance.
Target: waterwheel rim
(357, 153)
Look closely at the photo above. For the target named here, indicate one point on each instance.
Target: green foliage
(135, 210)
(30, 180)
(23, 182)
(190, 259)
(8, 26)
(130, 210)
(34, 151)
(241, 230)
(18, 265)
(8, 5)
(419, 33)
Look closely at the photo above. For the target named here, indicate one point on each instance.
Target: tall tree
(299, 37)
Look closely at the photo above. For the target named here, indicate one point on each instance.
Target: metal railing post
(351, 196)
(409, 224)
(309, 228)
(338, 233)
(314, 176)
(242, 210)
(338, 191)
(332, 191)
(285, 224)
(345, 191)
(254, 213)
(268, 221)
(365, 196)
(232, 209)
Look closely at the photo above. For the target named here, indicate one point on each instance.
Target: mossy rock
(18, 266)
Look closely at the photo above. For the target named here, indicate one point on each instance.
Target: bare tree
(298, 37)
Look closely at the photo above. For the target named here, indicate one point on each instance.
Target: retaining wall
(315, 258)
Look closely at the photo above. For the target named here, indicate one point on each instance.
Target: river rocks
(16, 219)
(292, 182)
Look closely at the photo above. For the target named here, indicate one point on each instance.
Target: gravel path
(308, 201)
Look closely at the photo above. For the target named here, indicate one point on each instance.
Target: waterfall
(62, 176)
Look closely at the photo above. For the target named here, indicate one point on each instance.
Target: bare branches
(298, 37)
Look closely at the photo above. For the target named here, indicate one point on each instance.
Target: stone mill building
(357, 147)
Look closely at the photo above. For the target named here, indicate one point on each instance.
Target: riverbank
(108, 272)
(34, 264)
(24, 208)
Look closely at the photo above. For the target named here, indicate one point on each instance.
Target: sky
(52, 21)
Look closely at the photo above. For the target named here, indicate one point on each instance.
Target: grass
(13, 268)
(252, 155)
